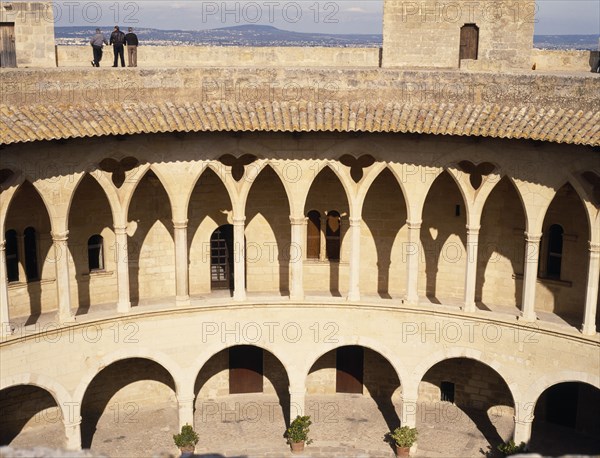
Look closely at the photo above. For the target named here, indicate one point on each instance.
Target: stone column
(182, 294)
(471, 271)
(4, 313)
(532, 250)
(186, 410)
(297, 401)
(63, 282)
(522, 430)
(297, 249)
(354, 287)
(239, 259)
(409, 411)
(591, 295)
(323, 238)
(412, 261)
(73, 433)
(21, 256)
(122, 264)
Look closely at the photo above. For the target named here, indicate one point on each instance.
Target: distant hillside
(264, 35)
(589, 42)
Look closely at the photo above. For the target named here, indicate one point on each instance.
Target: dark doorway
(245, 369)
(469, 41)
(349, 373)
(221, 258)
(561, 405)
(8, 53)
(447, 391)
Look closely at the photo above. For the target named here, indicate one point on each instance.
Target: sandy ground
(253, 426)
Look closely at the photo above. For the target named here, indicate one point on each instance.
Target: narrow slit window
(313, 235)
(555, 249)
(332, 236)
(31, 261)
(96, 253)
(12, 255)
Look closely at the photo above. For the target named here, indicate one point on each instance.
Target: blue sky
(343, 16)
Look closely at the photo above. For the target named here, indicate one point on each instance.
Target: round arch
(468, 353)
(188, 379)
(366, 342)
(155, 356)
(56, 390)
(546, 381)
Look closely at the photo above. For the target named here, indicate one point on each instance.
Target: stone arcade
(212, 244)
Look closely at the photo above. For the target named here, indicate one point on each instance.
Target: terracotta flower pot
(187, 449)
(402, 452)
(297, 447)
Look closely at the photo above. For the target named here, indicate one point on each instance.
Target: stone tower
(27, 31)
(479, 35)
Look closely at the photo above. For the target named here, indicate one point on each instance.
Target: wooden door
(8, 53)
(245, 369)
(349, 373)
(469, 41)
(221, 258)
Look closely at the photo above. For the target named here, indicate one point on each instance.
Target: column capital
(298, 220)
(239, 220)
(183, 224)
(525, 421)
(2, 245)
(185, 399)
(60, 236)
(297, 392)
(72, 424)
(594, 247)
(120, 229)
(415, 225)
(354, 221)
(533, 238)
(473, 230)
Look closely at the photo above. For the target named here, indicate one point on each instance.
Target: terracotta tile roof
(39, 122)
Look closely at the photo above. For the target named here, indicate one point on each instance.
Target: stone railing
(222, 56)
(567, 61)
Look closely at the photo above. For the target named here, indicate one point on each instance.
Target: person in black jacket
(117, 39)
(131, 40)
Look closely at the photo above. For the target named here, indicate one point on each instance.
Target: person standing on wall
(131, 40)
(117, 39)
(97, 42)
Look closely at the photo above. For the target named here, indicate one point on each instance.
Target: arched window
(96, 252)
(313, 243)
(469, 41)
(555, 248)
(332, 236)
(31, 261)
(12, 255)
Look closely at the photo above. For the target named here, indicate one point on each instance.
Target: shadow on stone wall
(108, 382)
(21, 404)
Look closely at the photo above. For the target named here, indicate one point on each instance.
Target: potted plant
(297, 433)
(510, 448)
(403, 438)
(186, 440)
